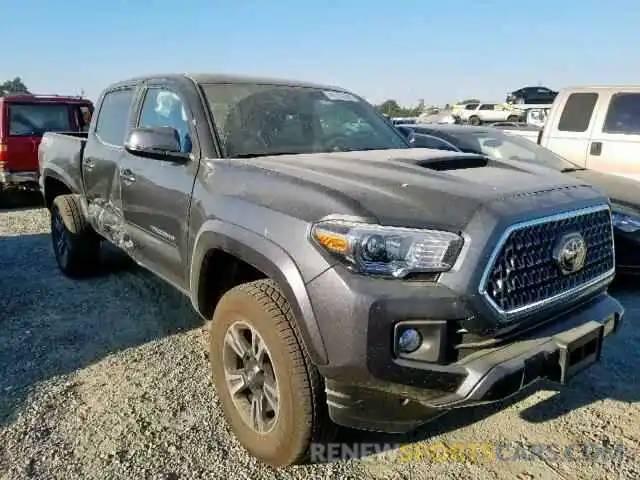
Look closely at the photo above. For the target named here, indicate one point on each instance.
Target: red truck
(23, 120)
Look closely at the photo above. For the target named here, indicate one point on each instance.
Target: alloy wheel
(250, 377)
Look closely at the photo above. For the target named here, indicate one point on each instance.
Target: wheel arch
(266, 257)
(54, 183)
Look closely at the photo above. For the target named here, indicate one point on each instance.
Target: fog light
(409, 341)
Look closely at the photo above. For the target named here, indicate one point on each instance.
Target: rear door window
(577, 112)
(113, 118)
(623, 115)
(33, 119)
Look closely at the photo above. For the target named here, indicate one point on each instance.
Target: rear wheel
(75, 244)
(271, 394)
(513, 118)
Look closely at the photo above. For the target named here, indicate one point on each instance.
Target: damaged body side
(107, 219)
(68, 165)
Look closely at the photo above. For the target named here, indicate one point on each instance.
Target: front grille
(523, 273)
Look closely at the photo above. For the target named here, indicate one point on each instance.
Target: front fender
(270, 259)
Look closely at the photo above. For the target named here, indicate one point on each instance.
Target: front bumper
(368, 387)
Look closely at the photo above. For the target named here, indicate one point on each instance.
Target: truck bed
(61, 155)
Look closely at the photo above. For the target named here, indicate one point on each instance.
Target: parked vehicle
(406, 120)
(537, 116)
(498, 145)
(348, 276)
(597, 127)
(436, 116)
(23, 120)
(524, 130)
(532, 96)
(479, 113)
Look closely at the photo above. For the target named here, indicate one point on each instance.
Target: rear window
(623, 115)
(33, 119)
(577, 112)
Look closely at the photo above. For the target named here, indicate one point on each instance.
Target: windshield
(502, 146)
(257, 119)
(33, 119)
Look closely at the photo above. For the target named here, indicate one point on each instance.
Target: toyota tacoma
(349, 279)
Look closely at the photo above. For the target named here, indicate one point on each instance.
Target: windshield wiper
(266, 154)
(572, 169)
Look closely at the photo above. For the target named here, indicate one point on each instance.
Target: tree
(472, 100)
(14, 86)
(390, 107)
(393, 109)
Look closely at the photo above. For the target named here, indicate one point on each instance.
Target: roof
(29, 97)
(603, 87)
(208, 78)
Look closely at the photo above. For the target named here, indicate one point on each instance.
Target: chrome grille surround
(532, 278)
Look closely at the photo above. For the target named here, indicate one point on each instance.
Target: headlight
(626, 223)
(388, 251)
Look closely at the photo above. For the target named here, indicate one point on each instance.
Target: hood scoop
(447, 163)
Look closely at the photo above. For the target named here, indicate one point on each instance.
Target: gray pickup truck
(349, 278)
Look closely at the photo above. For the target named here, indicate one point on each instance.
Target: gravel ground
(107, 378)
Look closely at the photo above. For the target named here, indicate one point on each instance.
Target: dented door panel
(102, 185)
(100, 167)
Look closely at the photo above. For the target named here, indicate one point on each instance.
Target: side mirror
(161, 143)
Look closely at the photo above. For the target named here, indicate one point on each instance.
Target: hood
(620, 190)
(418, 188)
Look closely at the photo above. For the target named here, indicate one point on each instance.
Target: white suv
(479, 113)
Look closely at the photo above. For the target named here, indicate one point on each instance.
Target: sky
(436, 50)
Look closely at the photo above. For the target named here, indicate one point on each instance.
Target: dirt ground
(107, 378)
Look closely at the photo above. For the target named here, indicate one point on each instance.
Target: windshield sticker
(342, 96)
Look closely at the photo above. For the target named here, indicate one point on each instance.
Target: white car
(479, 113)
(441, 116)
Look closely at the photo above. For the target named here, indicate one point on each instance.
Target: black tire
(75, 244)
(301, 417)
(513, 118)
(474, 120)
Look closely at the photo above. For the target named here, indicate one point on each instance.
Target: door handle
(88, 164)
(596, 148)
(127, 176)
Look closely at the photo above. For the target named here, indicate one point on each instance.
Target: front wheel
(270, 392)
(75, 244)
(513, 118)
(474, 120)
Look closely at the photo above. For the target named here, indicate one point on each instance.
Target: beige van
(597, 127)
